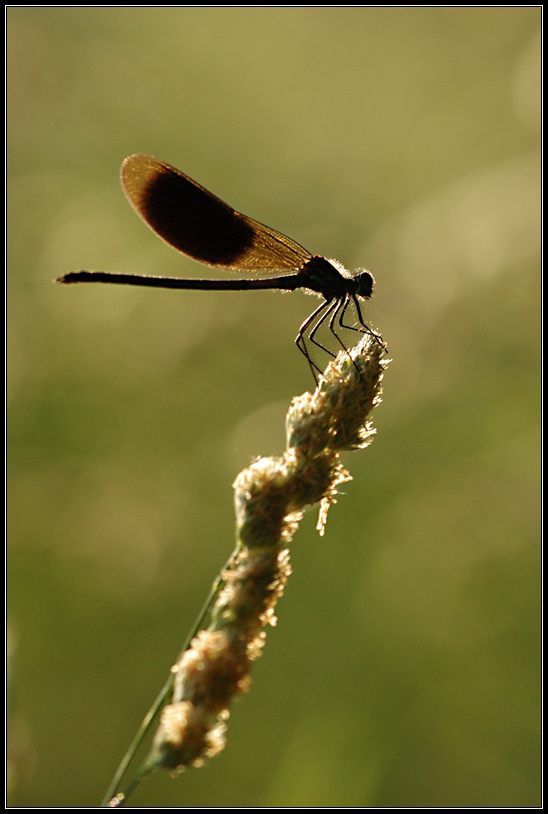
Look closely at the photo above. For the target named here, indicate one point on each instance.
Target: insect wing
(202, 226)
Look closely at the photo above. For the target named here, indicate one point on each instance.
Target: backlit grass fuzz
(270, 498)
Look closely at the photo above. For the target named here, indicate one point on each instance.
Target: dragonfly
(197, 223)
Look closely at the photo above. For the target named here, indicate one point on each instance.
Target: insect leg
(366, 329)
(300, 340)
(334, 306)
(363, 328)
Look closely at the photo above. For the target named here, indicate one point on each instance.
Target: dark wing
(197, 223)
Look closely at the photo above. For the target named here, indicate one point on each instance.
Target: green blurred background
(405, 668)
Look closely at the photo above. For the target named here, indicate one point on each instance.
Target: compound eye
(365, 284)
